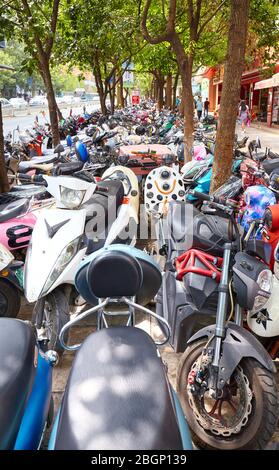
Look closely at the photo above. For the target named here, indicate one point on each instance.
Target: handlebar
(219, 202)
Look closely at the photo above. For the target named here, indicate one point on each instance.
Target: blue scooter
(202, 185)
(25, 387)
(118, 395)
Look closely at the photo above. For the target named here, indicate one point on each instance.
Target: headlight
(63, 260)
(264, 282)
(252, 282)
(6, 256)
(71, 198)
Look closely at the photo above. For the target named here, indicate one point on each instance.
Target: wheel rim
(228, 414)
(3, 304)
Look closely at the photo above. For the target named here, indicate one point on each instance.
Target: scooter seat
(270, 164)
(117, 396)
(118, 270)
(67, 168)
(23, 167)
(13, 209)
(259, 156)
(102, 210)
(17, 370)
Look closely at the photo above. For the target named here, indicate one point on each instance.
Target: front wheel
(245, 417)
(53, 314)
(9, 299)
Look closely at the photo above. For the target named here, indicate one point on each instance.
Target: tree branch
(170, 28)
(53, 23)
(209, 18)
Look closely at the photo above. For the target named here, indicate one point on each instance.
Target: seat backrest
(114, 274)
(118, 270)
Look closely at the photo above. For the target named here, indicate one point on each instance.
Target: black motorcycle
(225, 378)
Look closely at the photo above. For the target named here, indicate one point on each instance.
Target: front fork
(220, 330)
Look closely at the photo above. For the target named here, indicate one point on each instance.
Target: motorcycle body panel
(16, 233)
(265, 323)
(46, 247)
(237, 344)
(36, 411)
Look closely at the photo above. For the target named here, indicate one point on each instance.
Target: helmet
(180, 152)
(90, 130)
(140, 130)
(257, 199)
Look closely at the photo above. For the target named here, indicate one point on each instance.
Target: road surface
(24, 120)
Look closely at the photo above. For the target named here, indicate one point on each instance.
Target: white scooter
(87, 217)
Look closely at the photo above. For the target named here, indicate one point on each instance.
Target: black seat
(25, 166)
(114, 274)
(67, 168)
(270, 164)
(102, 210)
(259, 156)
(17, 348)
(13, 209)
(117, 396)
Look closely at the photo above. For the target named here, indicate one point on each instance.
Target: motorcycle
(25, 389)
(225, 378)
(87, 217)
(118, 395)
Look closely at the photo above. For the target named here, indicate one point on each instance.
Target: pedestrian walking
(199, 107)
(243, 114)
(206, 107)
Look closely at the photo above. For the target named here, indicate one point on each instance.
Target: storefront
(269, 100)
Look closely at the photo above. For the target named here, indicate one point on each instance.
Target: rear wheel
(9, 299)
(245, 417)
(55, 314)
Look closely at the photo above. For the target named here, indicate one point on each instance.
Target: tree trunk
(112, 94)
(99, 83)
(187, 101)
(4, 183)
(160, 82)
(52, 105)
(234, 65)
(174, 89)
(121, 92)
(169, 91)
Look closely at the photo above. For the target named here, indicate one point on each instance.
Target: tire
(9, 299)
(50, 415)
(55, 315)
(264, 410)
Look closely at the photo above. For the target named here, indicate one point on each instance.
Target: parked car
(18, 103)
(7, 107)
(38, 101)
(89, 97)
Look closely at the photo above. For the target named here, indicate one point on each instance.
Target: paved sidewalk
(269, 137)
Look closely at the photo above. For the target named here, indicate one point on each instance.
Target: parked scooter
(88, 216)
(25, 387)
(225, 378)
(118, 395)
